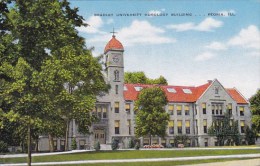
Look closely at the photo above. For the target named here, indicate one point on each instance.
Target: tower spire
(113, 32)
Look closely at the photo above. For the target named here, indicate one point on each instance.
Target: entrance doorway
(100, 136)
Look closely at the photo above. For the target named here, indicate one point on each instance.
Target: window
(205, 125)
(129, 126)
(116, 74)
(179, 108)
(187, 125)
(125, 88)
(105, 112)
(117, 126)
(62, 145)
(138, 88)
(171, 90)
(220, 109)
(55, 145)
(187, 91)
(171, 127)
(170, 109)
(242, 125)
(204, 108)
(82, 144)
(213, 109)
(172, 142)
(116, 88)
(241, 110)
(216, 90)
(230, 109)
(163, 142)
(99, 113)
(116, 107)
(187, 110)
(127, 107)
(179, 127)
(206, 142)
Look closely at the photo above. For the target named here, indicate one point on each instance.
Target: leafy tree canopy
(255, 109)
(225, 129)
(140, 78)
(151, 118)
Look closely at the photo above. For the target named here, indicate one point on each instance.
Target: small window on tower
(116, 73)
(116, 89)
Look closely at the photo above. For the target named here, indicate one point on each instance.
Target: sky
(188, 42)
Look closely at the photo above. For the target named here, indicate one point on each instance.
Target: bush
(131, 143)
(73, 144)
(169, 146)
(3, 147)
(97, 146)
(114, 144)
(137, 146)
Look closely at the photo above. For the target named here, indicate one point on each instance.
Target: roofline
(114, 49)
(242, 96)
(206, 90)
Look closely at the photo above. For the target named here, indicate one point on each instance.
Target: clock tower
(115, 75)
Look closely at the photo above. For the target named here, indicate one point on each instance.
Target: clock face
(116, 59)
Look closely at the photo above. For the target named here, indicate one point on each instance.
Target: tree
(250, 136)
(33, 32)
(225, 129)
(151, 118)
(140, 78)
(255, 109)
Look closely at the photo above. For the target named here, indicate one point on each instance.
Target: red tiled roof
(236, 96)
(113, 44)
(178, 96)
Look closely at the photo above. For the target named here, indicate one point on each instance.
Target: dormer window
(138, 88)
(171, 90)
(125, 88)
(187, 91)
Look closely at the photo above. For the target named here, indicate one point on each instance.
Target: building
(192, 109)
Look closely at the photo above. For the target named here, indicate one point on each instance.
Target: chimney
(209, 81)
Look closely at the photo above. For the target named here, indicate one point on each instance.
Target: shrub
(73, 144)
(3, 147)
(114, 144)
(97, 146)
(137, 146)
(169, 146)
(131, 143)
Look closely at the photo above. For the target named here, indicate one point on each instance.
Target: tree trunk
(150, 139)
(29, 158)
(51, 145)
(67, 135)
(37, 145)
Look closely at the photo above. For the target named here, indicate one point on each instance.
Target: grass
(130, 155)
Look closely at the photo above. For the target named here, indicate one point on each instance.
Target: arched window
(216, 90)
(116, 74)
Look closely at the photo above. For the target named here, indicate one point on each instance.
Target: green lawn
(130, 155)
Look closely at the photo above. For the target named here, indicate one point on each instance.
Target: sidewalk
(255, 162)
(249, 162)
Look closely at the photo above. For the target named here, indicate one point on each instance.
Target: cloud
(95, 23)
(216, 46)
(206, 25)
(225, 12)
(205, 56)
(139, 32)
(254, 54)
(110, 21)
(247, 38)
